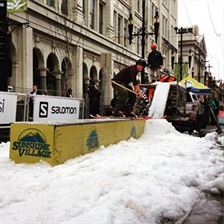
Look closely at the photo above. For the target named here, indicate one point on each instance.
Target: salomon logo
(43, 111)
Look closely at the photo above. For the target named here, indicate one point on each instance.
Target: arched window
(93, 73)
(85, 78)
(52, 67)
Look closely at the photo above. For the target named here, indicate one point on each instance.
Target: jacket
(127, 75)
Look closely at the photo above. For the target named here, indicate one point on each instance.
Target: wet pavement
(208, 210)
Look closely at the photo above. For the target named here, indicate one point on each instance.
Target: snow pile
(139, 181)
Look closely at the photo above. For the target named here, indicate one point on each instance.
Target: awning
(194, 86)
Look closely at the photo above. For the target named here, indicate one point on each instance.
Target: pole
(143, 39)
(181, 54)
(199, 67)
(4, 46)
(118, 84)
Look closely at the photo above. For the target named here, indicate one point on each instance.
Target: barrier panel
(51, 108)
(55, 143)
(7, 107)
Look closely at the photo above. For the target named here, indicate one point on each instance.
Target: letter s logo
(43, 109)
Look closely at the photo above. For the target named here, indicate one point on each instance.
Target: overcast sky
(209, 16)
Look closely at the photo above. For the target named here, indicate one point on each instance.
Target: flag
(14, 6)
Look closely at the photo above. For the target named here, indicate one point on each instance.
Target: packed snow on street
(160, 175)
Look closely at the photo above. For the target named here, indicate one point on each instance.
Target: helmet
(153, 46)
(142, 62)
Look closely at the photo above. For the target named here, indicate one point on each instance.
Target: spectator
(200, 113)
(33, 93)
(155, 61)
(94, 99)
(45, 93)
(69, 93)
(214, 105)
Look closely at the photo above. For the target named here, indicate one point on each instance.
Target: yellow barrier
(56, 143)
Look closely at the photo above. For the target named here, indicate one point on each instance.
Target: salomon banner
(8, 104)
(57, 109)
(14, 6)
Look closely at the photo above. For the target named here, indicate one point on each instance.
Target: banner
(14, 6)
(8, 104)
(50, 108)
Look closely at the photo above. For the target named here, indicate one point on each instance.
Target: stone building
(61, 44)
(194, 54)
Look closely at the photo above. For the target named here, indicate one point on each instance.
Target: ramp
(159, 101)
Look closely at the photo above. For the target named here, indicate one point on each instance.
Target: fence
(9, 112)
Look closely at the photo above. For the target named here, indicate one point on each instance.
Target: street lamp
(156, 25)
(181, 31)
(130, 28)
(143, 32)
(4, 46)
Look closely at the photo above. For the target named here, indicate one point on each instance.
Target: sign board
(57, 109)
(8, 103)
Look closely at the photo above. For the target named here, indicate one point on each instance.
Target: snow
(161, 174)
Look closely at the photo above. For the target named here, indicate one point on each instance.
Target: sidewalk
(209, 129)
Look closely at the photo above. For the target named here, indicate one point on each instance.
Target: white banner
(8, 104)
(50, 108)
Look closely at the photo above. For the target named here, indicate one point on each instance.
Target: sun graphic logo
(133, 132)
(32, 142)
(92, 141)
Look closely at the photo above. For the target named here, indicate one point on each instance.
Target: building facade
(61, 44)
(194, 54)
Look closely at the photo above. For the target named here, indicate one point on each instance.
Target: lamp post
(181, 31)
(4, 47)
(143, 32)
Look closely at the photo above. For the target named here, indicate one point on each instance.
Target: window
(165, 27)
(125, 32)
(139, 44)
(92, 14)
(64, 7)
(139, 5)
(153, 13)
(101, 15)
(51, 3)
(115, 24)
(119, 25)
(83, 6)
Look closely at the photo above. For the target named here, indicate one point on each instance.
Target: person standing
(121, 82)
(200, 113)
(32, 95)
(94, 99)
(155, 61)
(69, 93)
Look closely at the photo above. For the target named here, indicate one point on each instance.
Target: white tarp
(158, 105)
(8, 103)
(50, 108)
